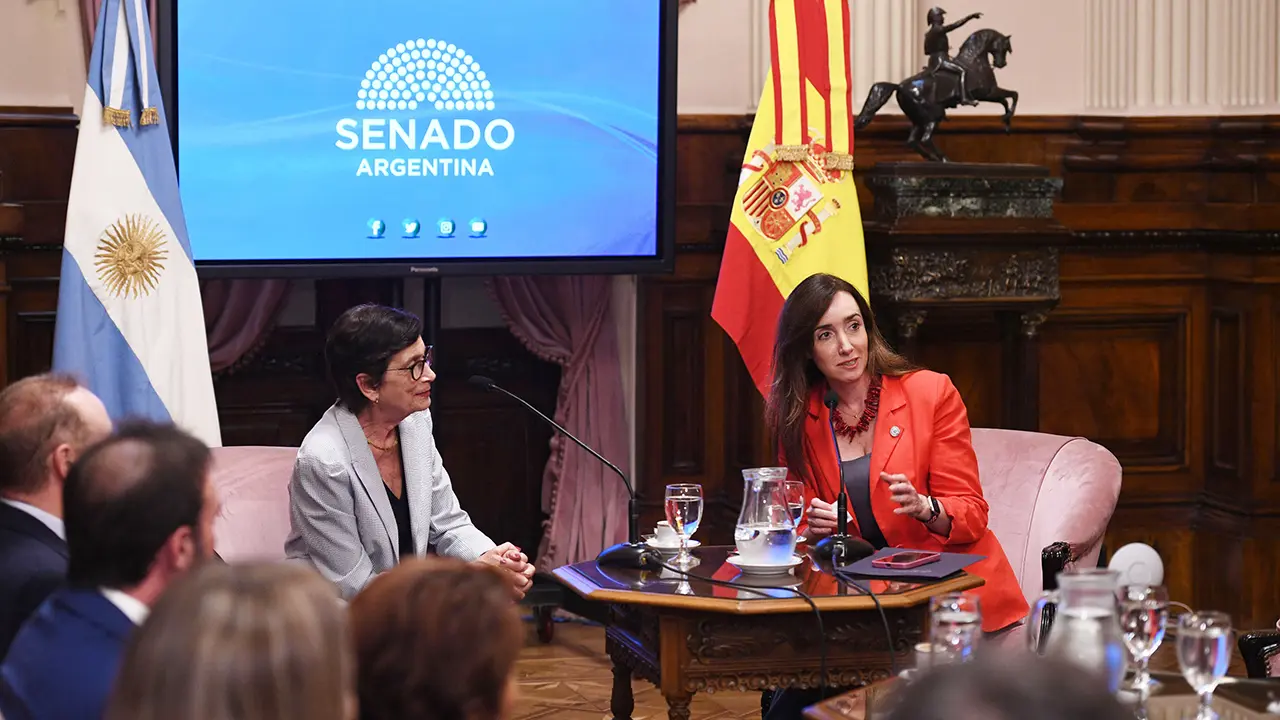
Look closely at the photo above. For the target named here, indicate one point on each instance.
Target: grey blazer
(341, 520)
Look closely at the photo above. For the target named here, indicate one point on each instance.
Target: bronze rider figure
(938, 48)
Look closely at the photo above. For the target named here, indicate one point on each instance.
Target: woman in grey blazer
(368, 487)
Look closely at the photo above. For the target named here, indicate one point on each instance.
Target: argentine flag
(130, 323)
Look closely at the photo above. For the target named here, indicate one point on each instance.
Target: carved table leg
(678, 707)
(621, 702)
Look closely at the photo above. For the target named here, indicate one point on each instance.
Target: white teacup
(664, 534)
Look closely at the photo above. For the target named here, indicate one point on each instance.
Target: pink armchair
(253, 483)
(1051, 498)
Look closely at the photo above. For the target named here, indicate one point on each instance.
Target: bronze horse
(926, 96)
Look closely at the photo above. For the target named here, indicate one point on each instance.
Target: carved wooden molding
(944, 274)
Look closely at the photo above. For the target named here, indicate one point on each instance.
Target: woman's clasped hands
(514, 564)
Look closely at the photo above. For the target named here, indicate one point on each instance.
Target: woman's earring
(375, 401)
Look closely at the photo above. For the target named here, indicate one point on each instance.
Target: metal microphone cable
(888, 634)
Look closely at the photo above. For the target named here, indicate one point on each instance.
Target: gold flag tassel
(117, 117)
(793, 153)
(150, 116)
(838, 161)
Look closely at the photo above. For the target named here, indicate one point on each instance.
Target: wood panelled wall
(1165, 347)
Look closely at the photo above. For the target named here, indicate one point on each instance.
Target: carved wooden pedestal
(948, 242)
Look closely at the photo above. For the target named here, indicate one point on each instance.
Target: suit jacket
(33, 563)
(934, 449)
(63, 662)
(342, 522)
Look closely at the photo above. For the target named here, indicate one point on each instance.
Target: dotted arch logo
(425, 72)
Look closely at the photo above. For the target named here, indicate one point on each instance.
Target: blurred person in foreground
(436, 639)
(46, 422)
(369, 487)
(1004, 685)
(241, 642)
(139, 510)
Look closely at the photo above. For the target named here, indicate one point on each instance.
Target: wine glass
(1204, 651)
(1144, 612)
(955, 621)
(684, 512)
(794, 490)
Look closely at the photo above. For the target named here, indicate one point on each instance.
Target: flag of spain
(796, 209)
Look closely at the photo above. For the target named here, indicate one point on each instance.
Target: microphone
(631, 554)
(840, 549)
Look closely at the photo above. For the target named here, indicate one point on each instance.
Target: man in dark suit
(46, 422)
(139, 510)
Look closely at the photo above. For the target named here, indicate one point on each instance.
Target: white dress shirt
(51, 521)
(132, 607)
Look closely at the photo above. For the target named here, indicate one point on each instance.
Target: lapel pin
(895, 431)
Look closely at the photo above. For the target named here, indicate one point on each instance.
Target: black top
(400, 508)
(857, 479)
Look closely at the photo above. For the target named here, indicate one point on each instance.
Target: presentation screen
(424, 136)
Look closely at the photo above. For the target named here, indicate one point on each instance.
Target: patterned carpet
(570, 679)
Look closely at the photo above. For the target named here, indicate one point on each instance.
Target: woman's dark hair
(1000, 685)
(458, 617)
(794, 372)
(362, 340)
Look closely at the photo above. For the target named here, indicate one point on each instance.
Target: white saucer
(764, 568)
(663, 548)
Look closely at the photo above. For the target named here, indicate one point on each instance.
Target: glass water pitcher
(1086, 627)
(765, 534)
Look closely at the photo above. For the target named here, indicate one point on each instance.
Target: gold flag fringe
(150, 116)
(117, 117)
(838, 161)
(793, 153)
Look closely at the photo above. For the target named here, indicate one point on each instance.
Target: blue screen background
(262, 86)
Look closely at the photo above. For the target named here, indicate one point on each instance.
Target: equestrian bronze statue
(946, 82)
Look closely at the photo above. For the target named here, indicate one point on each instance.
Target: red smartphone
(906, 560)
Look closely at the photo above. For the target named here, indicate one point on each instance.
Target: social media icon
(446, 228)
(377, 228)
(411, 227)
(479, 227)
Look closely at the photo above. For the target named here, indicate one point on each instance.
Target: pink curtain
(568, 321)
(238, 314)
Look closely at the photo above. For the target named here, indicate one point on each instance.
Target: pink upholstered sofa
(253, 482)
(1051, 498)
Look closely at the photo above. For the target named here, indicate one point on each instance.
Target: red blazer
(934, 449)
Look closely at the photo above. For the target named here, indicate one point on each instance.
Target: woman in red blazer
(904, 441)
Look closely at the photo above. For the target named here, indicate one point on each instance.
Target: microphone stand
(840, 548)
(630, 554)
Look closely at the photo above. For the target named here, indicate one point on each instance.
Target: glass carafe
(765, 534)
(1086, 626)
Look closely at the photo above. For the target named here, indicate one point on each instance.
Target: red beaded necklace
(869, 408)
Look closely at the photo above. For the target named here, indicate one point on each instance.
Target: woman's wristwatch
(934, 509)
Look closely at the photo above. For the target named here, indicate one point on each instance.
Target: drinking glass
(1204, 650)
(684, 512)
(794, 490)
(1144, 612)
(955, 624)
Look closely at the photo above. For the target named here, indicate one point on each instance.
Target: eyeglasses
(419, 368)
